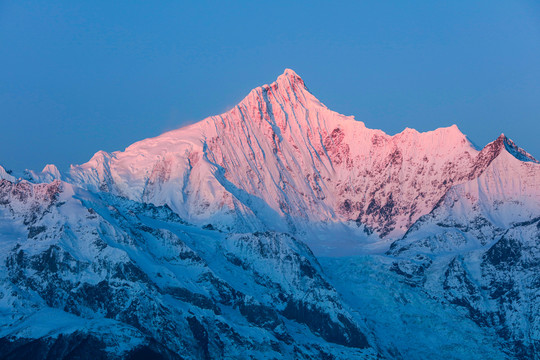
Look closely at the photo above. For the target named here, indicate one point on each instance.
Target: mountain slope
(280, 229)
(480, 247)
(110, 268)
(283, 161)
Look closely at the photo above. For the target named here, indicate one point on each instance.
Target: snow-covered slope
(4, 175)
(480, 248)
(265, 232)
(49, 173)
(131, 278)
(282, 160)
(507, 192)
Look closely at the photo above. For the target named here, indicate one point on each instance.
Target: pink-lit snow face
(281, 158)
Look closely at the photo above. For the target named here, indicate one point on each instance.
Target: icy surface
(480, 249)
(5, 175)
(49, 173)
(279, 229)
(281, 160)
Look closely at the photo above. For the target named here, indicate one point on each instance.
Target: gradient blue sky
(79, 76)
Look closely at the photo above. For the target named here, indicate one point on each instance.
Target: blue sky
(79, 76)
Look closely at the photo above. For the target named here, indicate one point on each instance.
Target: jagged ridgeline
(280, 229)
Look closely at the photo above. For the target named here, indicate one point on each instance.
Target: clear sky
(80, 76)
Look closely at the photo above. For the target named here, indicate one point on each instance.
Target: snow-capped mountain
(5, 175)
(49, 173)
(479, 247)
(77, 263)
(282, 160)
(280, 229)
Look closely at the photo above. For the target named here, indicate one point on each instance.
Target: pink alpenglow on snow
(282, 160)
(277, 229)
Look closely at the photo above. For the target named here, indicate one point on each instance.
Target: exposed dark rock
(343, 332)
(201, 335)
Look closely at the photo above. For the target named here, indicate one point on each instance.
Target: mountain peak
(5, 175)
(515, 150)
(290, 73)
(289, 78)
(49, 173)
(52, 169)
(287, 88)
(504, 143)
(492, 150)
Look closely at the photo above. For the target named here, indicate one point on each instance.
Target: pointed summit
(287, 89)
(290, 74)
(492, 150)
(290, 78)
(515, 150)
(504, 143)
(5, 175)
(49, 173)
